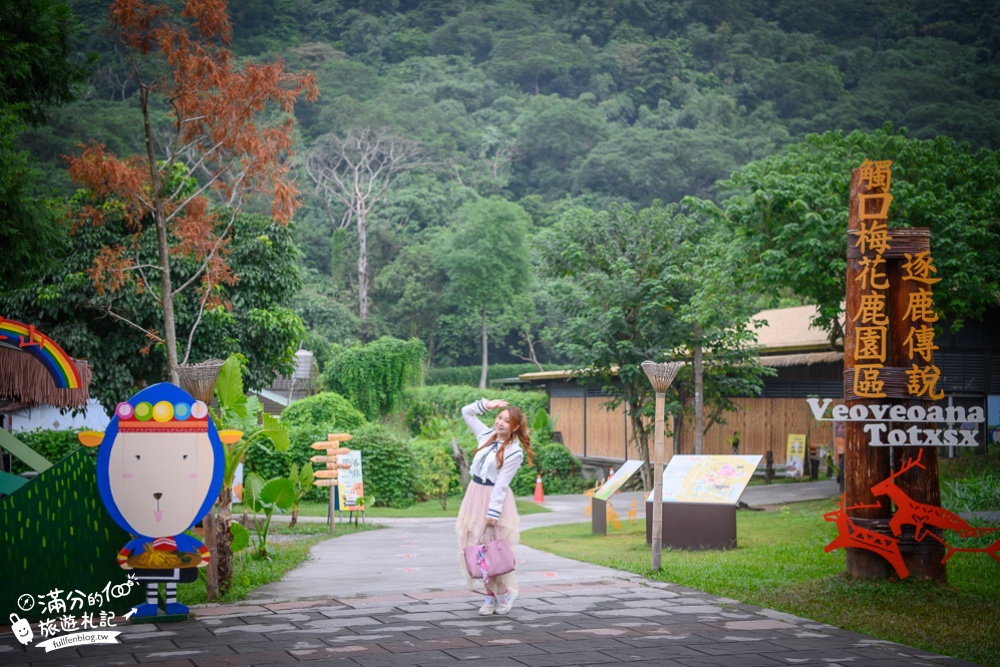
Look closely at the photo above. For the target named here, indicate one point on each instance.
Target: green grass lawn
(780, 564)
(423, 510)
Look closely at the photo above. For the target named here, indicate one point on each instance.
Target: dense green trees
(552, 106)
(258, 322)
(38, 70)
(487, 265)
(792, 211)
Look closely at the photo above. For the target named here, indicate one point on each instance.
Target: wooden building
(806, 366)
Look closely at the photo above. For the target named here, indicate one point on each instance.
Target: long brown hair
(519, 430)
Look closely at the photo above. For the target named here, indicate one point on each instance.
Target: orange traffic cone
(539, 495)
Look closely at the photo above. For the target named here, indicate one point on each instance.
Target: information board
(616, 481)
(351, 481)
(707, 479)
(795, 456)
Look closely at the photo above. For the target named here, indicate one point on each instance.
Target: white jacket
(484, 464)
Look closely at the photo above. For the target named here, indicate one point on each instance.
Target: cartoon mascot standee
(159, 470)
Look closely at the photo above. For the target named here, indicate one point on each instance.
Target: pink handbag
(489, 559)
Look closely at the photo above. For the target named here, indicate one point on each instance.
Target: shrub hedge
(390, 466)
(53, 445)
(325, 408)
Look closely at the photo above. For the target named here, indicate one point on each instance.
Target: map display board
(616, 481)
(707, 479)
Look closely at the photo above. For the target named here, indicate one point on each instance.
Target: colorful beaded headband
(163, 416)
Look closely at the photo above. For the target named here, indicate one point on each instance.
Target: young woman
(488, 506)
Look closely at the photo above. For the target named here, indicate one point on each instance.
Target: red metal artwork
(921, 516)
(851, 535)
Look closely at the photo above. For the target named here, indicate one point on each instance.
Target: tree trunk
(642, 441)
(482, 374)
(212, 569)
(460, 462)
(162, 245)
(295, 517)
(699, 402)
(864, 466)
(224, 539)
(363, 268)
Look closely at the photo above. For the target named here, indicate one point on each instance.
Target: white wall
(47, 417)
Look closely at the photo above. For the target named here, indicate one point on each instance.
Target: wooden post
(922, 559)
(327, 476)
(657, 528)
(864, 466)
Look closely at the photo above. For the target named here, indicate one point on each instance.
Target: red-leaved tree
(229, 141)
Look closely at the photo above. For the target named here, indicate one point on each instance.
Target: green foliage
(328, 408)
(266, 498)
(790, 210)
(238, 412)
(426, 403)
(542, 426)
(240, 535)
(38, 68)
(372, 377)
(560, 471)
(66, 306)
(272, 464)
(302, 483)
(52, 445)
(487, 265)
(390, 467)
(977, 491)
(439, 476)
(309, 420)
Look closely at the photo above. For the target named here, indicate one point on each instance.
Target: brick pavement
(604, 623)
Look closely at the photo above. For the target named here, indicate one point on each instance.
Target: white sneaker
(489, 606)
(505, 602)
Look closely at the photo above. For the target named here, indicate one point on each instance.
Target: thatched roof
(804, 359)
(24, 382)
(790, 329)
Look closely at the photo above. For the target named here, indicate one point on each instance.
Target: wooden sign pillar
(887, 311)
(328, 476)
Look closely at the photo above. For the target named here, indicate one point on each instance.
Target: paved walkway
(393, 597)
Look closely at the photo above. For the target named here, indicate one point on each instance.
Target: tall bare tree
(355, 172)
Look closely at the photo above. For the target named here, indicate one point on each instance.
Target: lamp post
(660, 376)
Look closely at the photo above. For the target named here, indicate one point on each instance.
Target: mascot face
(160, 464)
(159, 480)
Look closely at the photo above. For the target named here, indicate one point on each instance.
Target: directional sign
(338, 437)
(329, 474)
(329, 460)
(331, 448)
(325, 482)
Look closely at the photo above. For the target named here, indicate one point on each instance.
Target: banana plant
(243, 422)
(302, 481)
(266, 498)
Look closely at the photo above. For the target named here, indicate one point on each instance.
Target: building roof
(788, 339)
(790, 329)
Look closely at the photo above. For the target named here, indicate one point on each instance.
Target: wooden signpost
(888, 360)
(327, 477)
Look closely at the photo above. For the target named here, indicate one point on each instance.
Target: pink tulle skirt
(471, 525)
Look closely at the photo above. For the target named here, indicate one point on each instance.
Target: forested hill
(632, 99)
(557, 102)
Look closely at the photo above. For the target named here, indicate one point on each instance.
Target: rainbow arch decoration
(27, 338)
